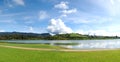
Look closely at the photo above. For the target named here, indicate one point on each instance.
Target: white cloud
(31, 29)
(69, 11)
(82, 21)
(43, 15)
(98, 32)
(57, 26)
(62, 5)
(19, 2)
(65, 10)
(12, 3)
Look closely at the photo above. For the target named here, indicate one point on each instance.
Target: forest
(48, 36)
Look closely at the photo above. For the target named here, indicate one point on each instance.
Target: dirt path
(44, 49)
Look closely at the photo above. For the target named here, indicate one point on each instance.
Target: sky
(93, 17)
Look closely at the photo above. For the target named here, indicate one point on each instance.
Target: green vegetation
(32, 45)
(47, 36)
(76, 36)
(19, 55)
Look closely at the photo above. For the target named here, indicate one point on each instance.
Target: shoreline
(64, 50)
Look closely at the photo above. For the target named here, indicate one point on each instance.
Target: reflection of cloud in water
(92, 45)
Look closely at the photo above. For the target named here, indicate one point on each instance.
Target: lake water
(81, 44)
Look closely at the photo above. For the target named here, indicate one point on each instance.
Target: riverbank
(44, 47)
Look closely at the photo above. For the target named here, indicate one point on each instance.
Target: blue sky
(100, 17)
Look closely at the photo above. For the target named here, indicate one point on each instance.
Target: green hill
(47, 36)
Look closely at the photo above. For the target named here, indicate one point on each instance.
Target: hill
(47, 36)
(21, 35)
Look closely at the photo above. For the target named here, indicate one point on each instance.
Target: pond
(75, 44)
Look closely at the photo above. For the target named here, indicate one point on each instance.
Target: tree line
(47, 36)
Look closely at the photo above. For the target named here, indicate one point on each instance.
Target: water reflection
(96, 45)
(76, 44)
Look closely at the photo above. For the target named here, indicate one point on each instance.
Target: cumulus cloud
(62, 5)
(19, 2)
(43, 15)
(57, 26)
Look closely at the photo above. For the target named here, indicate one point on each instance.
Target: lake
(79, 44)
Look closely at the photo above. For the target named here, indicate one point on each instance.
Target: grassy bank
(32, 45)
(16, 55)
(19, 55)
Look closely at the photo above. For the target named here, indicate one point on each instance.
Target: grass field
(31, 45)
(20, 55)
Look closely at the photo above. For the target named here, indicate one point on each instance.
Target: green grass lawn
(19, 55)
(32, 45)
